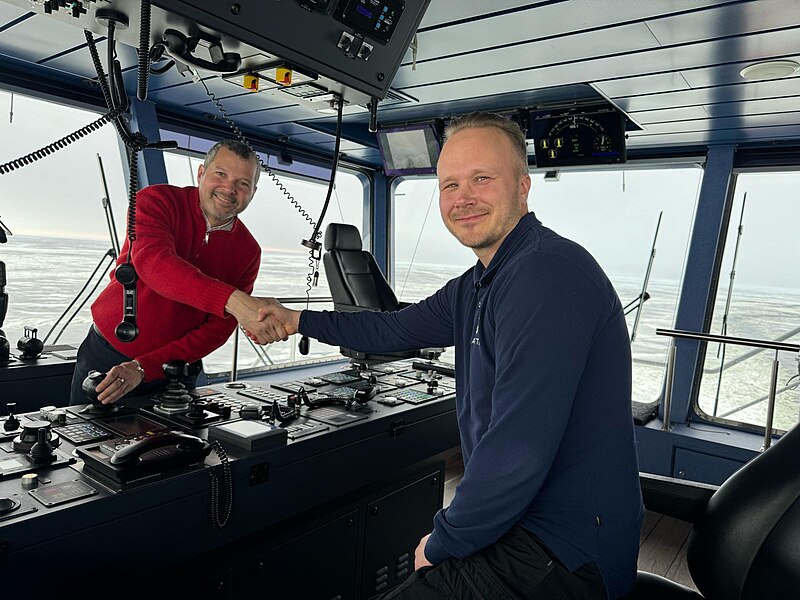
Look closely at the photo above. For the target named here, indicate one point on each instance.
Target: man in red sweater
(196, 264)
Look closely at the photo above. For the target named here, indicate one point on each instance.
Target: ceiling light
(770, 70)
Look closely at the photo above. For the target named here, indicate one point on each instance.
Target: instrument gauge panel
(578, 137)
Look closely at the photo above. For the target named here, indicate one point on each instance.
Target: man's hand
(419, 554)
(272, 310)
(246, 310)
(119, 381)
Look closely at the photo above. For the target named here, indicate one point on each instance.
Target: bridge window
(758, 297)
(612, 213)
(425, 255)
(54, 208)
(279, 228)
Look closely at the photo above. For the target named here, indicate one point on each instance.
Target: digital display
(130, 425)
(374, 18)
(410, 150)
(578, 136)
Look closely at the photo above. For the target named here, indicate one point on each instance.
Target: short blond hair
(511, 130)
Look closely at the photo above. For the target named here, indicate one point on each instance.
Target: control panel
(309, 49)
(137, 489)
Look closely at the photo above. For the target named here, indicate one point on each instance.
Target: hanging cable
(144, 50)
(59, 144)
(314, 247)
(238, 133)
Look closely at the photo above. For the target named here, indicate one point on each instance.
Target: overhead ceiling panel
(706, 96)
(755, 107)
(574, 48)
(39, 38)
(669, 114)
(722, 123)
(646, 84)
(730, 73)
(9, 14)
(560, 19)
(449, 11)
(641, 63)
(728, 136)
(721, 21)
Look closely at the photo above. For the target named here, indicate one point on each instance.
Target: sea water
(45, 275)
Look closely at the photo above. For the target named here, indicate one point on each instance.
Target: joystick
(31, 432)
(89, 389)
(175, 399)
(42, 450)
(11, 423)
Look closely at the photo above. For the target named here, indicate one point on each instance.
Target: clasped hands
(264, 320)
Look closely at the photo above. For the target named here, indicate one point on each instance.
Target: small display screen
(375, 18)
(412, 150)
(130, 425)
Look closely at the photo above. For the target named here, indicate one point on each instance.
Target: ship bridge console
(225, 495)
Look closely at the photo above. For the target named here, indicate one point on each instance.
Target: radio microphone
(127, 330)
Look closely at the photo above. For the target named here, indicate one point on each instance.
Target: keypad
(83, 433)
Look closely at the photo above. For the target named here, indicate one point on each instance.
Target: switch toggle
(346, 41)
(365, 51)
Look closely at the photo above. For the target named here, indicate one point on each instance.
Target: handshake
(264, 320)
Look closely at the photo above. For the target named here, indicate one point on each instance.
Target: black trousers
(515, 567)
(96, 354)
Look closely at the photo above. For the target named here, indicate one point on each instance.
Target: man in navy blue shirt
(549, 505)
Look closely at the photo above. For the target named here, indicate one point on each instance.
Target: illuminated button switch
(30, 481)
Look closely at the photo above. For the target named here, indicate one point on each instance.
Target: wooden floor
(662, 542)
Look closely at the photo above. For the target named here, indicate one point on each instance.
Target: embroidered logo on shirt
(477, 340)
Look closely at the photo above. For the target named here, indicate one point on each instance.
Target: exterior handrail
(737, 341)
(727, 339)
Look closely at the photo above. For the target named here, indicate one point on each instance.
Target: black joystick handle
(89, 385)
(175, 370)
(12, 422)
(42, 450)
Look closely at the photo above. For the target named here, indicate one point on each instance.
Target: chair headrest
(340, 236)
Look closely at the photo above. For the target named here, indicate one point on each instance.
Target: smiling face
(483, 192)
(226, 186)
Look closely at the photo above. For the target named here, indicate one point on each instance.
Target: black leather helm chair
(356, 282)
(745, 545)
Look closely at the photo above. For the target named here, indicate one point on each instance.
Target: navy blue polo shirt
(543, 381)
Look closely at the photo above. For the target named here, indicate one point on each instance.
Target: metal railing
(736, 341)
(285, 300)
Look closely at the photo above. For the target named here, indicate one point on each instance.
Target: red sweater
(184, 280)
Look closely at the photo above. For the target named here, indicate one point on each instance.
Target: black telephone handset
(127, 330)
(181, 48)
(175, 444)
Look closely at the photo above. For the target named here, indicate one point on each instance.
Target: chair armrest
(678, 498)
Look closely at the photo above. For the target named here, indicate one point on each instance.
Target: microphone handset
(127, 330)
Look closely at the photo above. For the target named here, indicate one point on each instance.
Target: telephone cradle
(128, 458)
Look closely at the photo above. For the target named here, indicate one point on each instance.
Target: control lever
(11, 423)
(89, 389)
(175, 399)
(42, 450)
